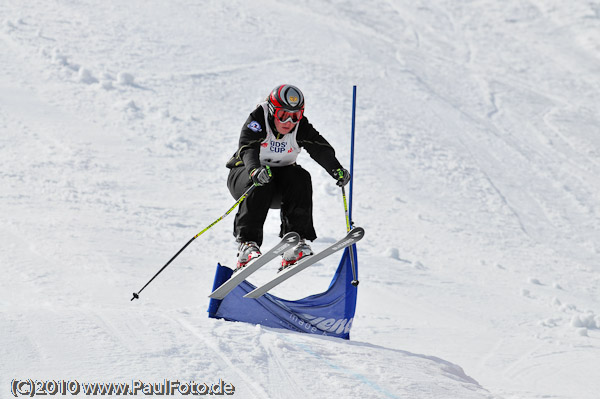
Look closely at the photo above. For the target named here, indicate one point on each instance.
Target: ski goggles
(288, 116)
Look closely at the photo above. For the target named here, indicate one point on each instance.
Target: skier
(269, 144)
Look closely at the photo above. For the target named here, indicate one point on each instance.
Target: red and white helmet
(286, 102)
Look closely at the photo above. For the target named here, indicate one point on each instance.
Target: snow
(476, 179)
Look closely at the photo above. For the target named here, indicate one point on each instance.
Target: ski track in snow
(477, 164)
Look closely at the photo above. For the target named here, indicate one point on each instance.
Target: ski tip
(357, 232)
(291, 237)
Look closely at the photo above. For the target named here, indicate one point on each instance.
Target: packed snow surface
(477, 180)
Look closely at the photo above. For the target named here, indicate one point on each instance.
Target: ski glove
(261, 175)
(342, 176)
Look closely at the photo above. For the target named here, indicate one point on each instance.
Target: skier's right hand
(261, 175)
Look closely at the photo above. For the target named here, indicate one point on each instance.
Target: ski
(352, 237)
(288, 241)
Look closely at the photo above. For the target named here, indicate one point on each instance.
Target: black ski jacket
(307, 137)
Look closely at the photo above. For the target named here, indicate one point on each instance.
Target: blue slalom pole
(348, 209)
(352, 149)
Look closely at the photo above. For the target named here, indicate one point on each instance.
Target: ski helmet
(286, 97)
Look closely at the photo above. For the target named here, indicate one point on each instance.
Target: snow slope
(477, 180)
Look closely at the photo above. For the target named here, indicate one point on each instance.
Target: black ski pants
(290, 189)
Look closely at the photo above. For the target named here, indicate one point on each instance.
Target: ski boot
(293, 255)
(246, 252)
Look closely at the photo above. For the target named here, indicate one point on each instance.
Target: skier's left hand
(342, 176)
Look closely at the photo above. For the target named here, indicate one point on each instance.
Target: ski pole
(349, 226)
(239, 201)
